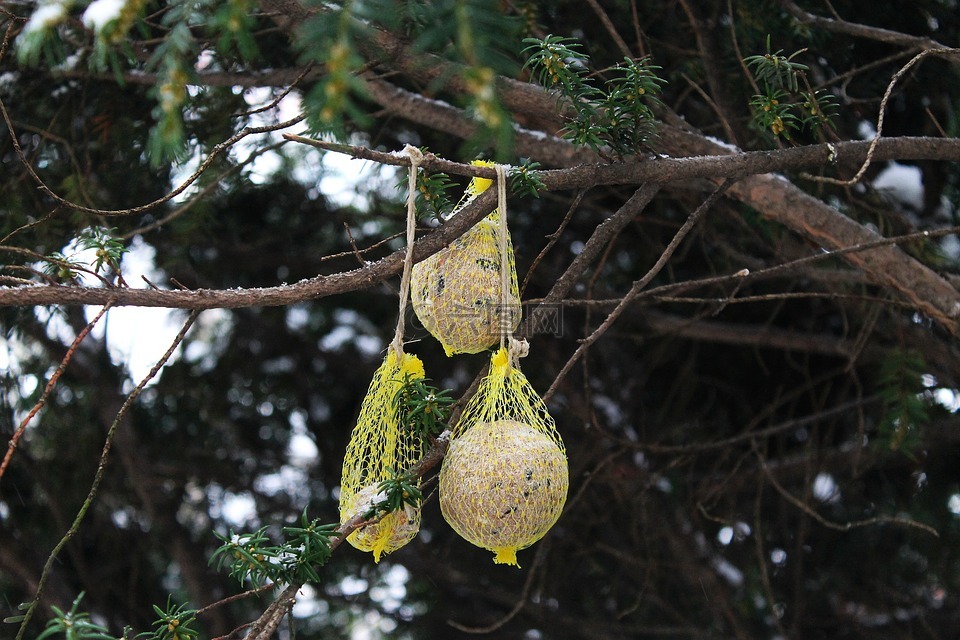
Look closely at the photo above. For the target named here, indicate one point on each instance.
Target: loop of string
(515, 348)
(505, 324)
(416, 157)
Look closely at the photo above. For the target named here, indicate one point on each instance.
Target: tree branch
(317, 287)
(773, 196)
(859, 30)
(718, 164)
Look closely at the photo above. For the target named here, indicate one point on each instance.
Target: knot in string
(517, 349)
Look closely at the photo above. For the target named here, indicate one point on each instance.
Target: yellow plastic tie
(500, 360)
(506, 555)
(479, 185)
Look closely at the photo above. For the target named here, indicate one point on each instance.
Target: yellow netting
(504, 478)
(379, 447)
(456, 292)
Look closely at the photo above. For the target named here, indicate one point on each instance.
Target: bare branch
(101, 469)
(841, 526)
(638, 286)
(716, 162)
(217, 150)
(860, 30)
(883, 109)
(15, 438)
(317, 287)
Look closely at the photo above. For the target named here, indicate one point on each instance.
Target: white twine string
(505, 329)
(416, 157)
(516, 348)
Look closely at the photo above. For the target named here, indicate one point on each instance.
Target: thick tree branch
(317, 287)
(890, 266)
(778, 199)
(806, 215)
(859, 30)
(716, 165)
(440, 116)
(769, 194)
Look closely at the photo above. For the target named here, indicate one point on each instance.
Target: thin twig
(521, 600)
(430, 161)
(216, 151)
(273, 103)
(237, 596)
(883, 109)
(786, 267)
(7, 35)
(35, 223)
(635, 19)
(603, 233)
(727, 129)
(758, 538)
(101, 469)
(611, 28)
(552, 240)
(197, 197)
(838, 526)
(639, 284)
(12, 446)
(353, 245)
(736, 47)
(839, 25)
(729, 299)
(751, 434)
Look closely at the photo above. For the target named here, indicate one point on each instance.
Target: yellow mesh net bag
(504, 478)
(379, 445)
(457, 292)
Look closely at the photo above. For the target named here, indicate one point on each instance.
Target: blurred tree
(739, 274)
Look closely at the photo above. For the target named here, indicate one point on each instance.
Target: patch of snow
(950, 245)
(138, 336)
(289, 480)
(100, 13)
(726, 145)
(953, 504)
(308, 604)
(8, 80)
(949, 399)
(301, 449)
(47, 15)
(903, 183)
(609, 408)
(72, 61)
(725, 536)
(778, 556)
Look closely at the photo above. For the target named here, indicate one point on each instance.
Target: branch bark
(859, 30)
(318, 287)
(774, 197)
